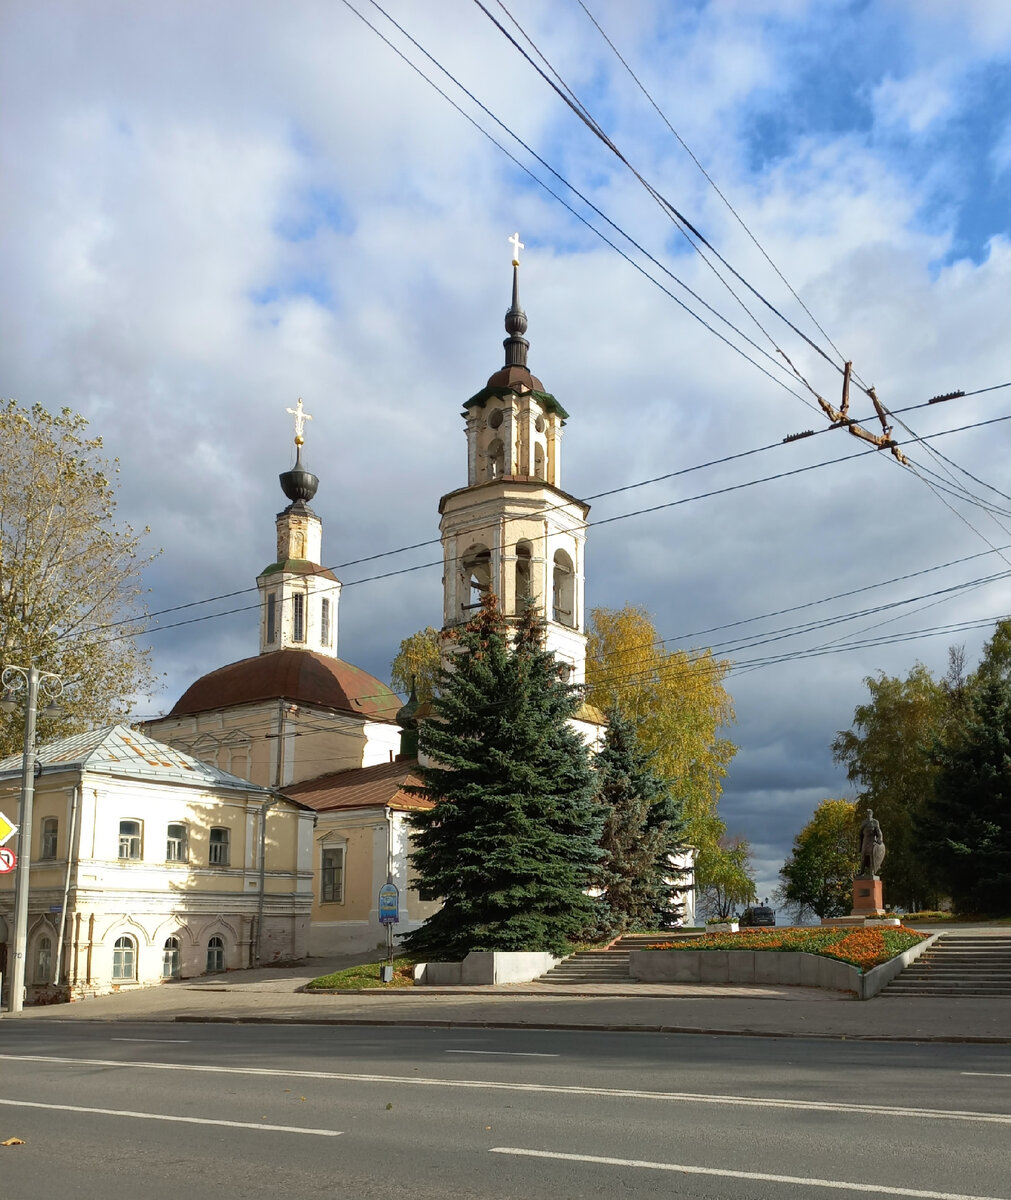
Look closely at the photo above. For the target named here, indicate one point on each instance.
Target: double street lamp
(31, 682)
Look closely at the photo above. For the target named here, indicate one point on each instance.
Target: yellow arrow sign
(7, 829)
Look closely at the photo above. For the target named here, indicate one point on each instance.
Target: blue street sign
(389, 904)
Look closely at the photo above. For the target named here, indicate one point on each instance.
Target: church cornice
(500, 392)
(298, 566)
(527, 484)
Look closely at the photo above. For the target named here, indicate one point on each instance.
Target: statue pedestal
(868, 898)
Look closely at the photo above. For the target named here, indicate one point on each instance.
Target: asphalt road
(188, 1112)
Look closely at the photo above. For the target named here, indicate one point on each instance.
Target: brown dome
(301, 676)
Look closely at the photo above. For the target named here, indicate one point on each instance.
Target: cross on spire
(300, 420)
(517, 246)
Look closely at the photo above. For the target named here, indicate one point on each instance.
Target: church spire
(298, 484)
(516, 346)
(298, 596)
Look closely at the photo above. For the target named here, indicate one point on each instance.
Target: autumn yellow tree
(69, 575)
(679, 705)
(417, 663)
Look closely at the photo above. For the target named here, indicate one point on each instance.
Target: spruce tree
(511, 843)
(965, 826)
(643, 827)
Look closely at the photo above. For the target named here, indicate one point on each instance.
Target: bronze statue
(872, 848)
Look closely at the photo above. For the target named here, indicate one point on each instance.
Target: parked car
(758, 914)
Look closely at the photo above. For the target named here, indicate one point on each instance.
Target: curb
(956, 1039)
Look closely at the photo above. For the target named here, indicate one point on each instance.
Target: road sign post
(389, 915)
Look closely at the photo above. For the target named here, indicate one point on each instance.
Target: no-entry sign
(8, 860)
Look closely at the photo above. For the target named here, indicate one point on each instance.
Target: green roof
(546, 400)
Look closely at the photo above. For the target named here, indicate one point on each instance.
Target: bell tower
(513, 530)
(298, 597)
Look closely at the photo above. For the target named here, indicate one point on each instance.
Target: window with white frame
(298, 617)
(124, 959)
(130, 840)
(218, 855)
(50, 834)
(175, 843)
(215, 954)
(324, 622)
(170, 960)
(331, 875)
(43, 967)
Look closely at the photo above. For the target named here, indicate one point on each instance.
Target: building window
(175, 844)
(271, 617)
(124, 959)
(524, 576)
(170, 964)
(298, 617)
(563, 607)
(50, 829)
(496, 459)
(219, 848)
(324, 622)
(130, 839)
(215, 955)
(44, 960)
(331, 881)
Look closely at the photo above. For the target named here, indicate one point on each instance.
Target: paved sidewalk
(274, 995)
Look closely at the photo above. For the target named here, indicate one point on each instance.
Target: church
(298, 718)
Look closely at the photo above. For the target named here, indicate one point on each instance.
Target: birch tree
(69, 574)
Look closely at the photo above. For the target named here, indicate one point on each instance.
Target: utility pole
(29, 680)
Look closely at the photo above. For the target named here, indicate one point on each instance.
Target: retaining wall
(484, 967)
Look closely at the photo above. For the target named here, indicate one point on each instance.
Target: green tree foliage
(965, 826)
(818, 875)
(678, 703)
(66, 571)
(643, 830)
(729, 882)
(419, 659)
(886, 754)
(511, 843)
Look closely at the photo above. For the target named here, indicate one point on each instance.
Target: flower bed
(860, 947)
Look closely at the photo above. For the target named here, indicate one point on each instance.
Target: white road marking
(504, 1053)
(990, 1074)
(885, 1110)
(145, 1116)
(174, 1041)
(879, 1189)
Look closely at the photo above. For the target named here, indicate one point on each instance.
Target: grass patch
(354, 979)
(861, 947)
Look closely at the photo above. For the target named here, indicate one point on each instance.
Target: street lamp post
(29, 680)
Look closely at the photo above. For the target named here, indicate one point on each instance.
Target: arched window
(43, 972)
(563, 592)
(496, 459)
(215, 955)
(124, 959)
(524, 575)
(171, 966)
(476, 578)
(539, 460)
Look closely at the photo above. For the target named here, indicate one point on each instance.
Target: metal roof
(120, 750)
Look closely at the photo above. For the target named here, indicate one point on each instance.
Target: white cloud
(149, 276)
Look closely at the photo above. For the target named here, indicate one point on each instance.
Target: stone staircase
(609, 965)
(959, 964)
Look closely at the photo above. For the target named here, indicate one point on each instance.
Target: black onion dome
(516, 345)
(298, 483)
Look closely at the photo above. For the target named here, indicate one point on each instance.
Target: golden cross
(300, 420)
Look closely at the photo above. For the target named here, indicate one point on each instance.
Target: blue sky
(212, 209)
